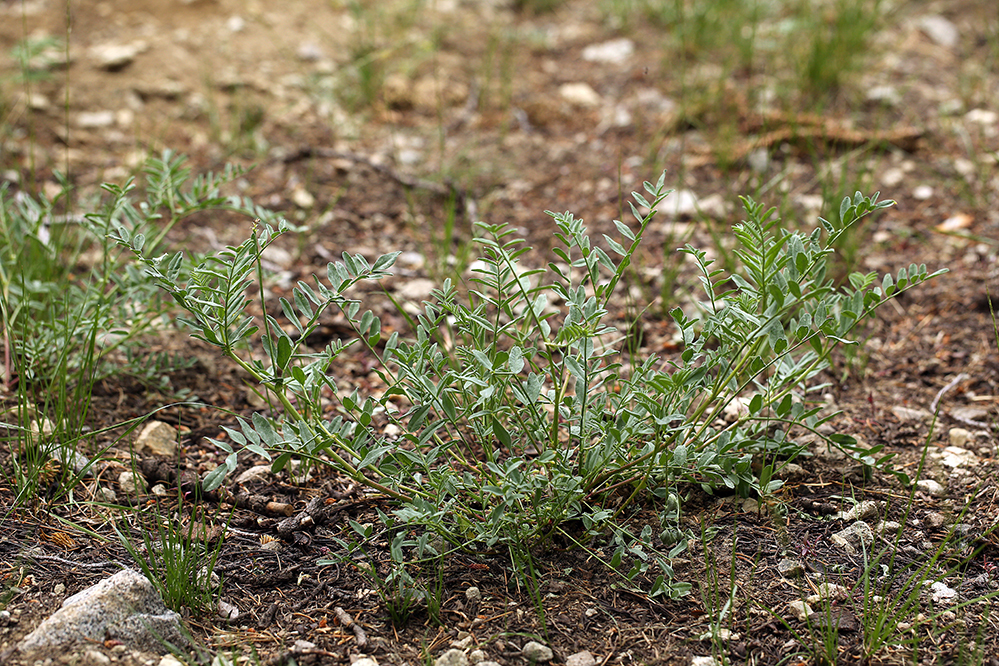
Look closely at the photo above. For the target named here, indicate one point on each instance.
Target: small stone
(170, 660)
(255, 473)
(790, 568)
(95, 658)
(759, 160)
(95, 119)
(157, 438)
(59, 589)
(829, 592)
(131, 483)
(452, 657)
(982, 117)
(942, 31)
(105, 494)
(931, 487)
(887, 95)
(473, 594)
(462, 643)
(907, 415)
(922, 193)
(227, 611)
(583, 658)
(114, 57)
(417, 289)
(934, 519)
(536, 652)
(955, 456)
(862, 511)
(941, 592)
(703, 661)
(853, 538)
(364, 661)
(579, 94)
(614, 52)
(477, 656)
(309, 52)
(302, 198)
(235, 23)
(159, 490)
(800, 609)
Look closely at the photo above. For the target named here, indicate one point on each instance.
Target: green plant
(400, 592)
(519, 418)
(178, 556)
(71, 316)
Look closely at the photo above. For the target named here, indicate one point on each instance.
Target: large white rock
(125, 607)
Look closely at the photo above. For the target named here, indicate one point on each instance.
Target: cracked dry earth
(509, 113)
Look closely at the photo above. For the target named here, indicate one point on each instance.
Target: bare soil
(467, 119)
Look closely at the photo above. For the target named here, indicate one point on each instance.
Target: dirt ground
(373, 123)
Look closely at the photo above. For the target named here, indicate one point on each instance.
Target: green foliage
(178, 557)
(519, 416)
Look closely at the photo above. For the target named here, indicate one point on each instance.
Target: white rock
(922, 192)
(830, 592)
(302, 198)
(364, 661)
(853, 538)
(235, 23)
(955, 456)
(884, 94)
(703, 661)
(255, 473)
(95, 658)
(452, 657)
(113, 57)
(477, 656)
(940, 30)
(862, 511)
(157, 438)
(579, 94)
(583, 658)
(892, 177)
(800, 609)
(124, 607)
(941, 592)
(309, 52)
(278, 256)
(982, 117)
(473, 594)
(614, 52)
(931, 487)
(131, 483)
(536, 652)
(417, 289)
(908, 415)
(95, 119)
(958, 436)
(170, 660)
(680, 203)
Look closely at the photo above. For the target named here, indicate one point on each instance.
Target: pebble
(790, 568)
(800, 609)
(931, 487)
(453, 657)
(854, 537)
(473, 594)
(579, 94)
(130, 483)
(583, 658)
(922, 193)
(157, 438)
(939, 29)
(614, 52)
(95, 119)
(941, 592)
(536, 652)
